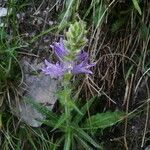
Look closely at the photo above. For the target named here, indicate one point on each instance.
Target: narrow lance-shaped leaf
(83, 135)
(61, 121)
(103, 120)
(83, 143)
(83, 110)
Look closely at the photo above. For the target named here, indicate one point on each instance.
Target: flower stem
(67, 109)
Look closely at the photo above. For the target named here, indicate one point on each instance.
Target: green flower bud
(76, 36)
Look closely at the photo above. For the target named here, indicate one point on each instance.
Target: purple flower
(59, 49)
(54, 70)
(78, 65)
(83, 67)
(82, 56)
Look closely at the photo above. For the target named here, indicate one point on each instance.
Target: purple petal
(54, 70)
(82, 68)
(59, 49)
(47, 63)
(82, 56)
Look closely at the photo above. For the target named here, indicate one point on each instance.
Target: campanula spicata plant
(71, 59)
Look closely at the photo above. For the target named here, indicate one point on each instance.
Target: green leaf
(61, 120)
(73, 105)
(83, 110)
(137, 7)
(83, 143)
(83, 135)
(103, 120)
(68, 138)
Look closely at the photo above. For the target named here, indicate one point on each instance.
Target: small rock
(3, 11)
(51, 22)
(39, 88)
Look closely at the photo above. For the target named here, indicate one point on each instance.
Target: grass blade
(67, 13)
(136, 6)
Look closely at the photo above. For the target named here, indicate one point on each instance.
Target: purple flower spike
(83, 67)
(54, 70)
(59, 49)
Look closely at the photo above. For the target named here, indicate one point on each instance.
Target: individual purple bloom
(59, 49)
(54, 70)
(82, 56)
(83, 67)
